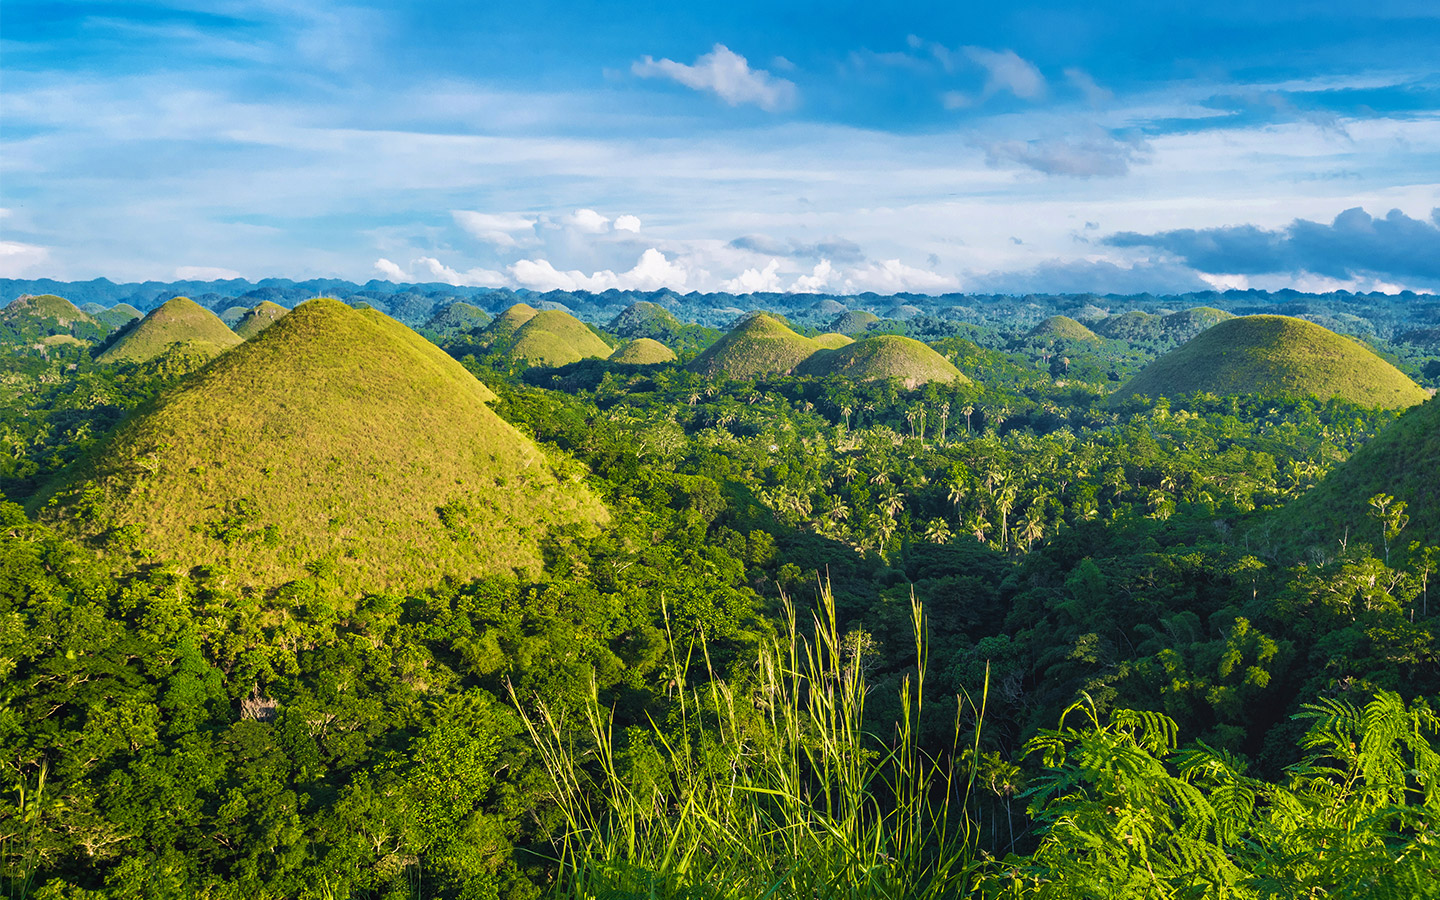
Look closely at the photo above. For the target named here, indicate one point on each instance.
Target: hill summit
(338, 441)
(1275, 355)
(259, 318)
(760, 345)
(643, 352)
(880, 357)
(178, 322)
(553, 337)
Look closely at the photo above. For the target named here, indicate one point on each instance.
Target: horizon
(1050, 148)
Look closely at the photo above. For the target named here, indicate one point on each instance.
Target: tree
(1392, 518)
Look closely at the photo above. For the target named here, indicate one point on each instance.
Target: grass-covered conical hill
(32, 318)
(854, 322)
(1275, 355)
(458, 317)
(1185, 324)
(833, 340)
(1061, 328)
(552, 337)
(259, 318)
(118, 315)
(760, 345)
(643, 319)
(1130, 326)
(45, 307)
(1403, 461)
(501, 332)
(643, 352)
(178, 322)
(880, 357)
(338, 440)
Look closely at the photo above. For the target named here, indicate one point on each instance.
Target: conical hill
(880, 357)
(259, 318)
(644, 319)
(1402, 461)
(555, 338)
(458, 317)
(1275, 355)
(45, 307)
(501, 332)
(119, 315)
(32, 318)
(854, 322)
(759, 345)
(180, 321)
(643, 352)
(1061, 328)
(337, 441)
(833, 340)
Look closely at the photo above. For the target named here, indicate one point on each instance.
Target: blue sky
(738, 146)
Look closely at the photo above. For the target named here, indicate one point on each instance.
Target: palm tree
(937, 532)
(845, 411)
(944, 419)
(1032, 527)
(847, 469)
(968, 410)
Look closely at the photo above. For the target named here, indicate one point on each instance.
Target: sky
(737, 146)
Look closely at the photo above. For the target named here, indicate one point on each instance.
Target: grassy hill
(760, 345)
(833, 340)
(258, 319)
(880, 357)
(1274, 355)
(180, 321)
(31, 318)
(337, 440)
(643, 352)
(555, 338)
(854, 322)
(231, 315)
(457, 317)
(501, 332)
(644, 319)
(1187, 323)
(118, 316)
(1061, 328)
(1402, 460)
(1131, 326)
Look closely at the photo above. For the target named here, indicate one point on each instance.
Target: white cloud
(727, 74)
(756, 280)
(389, 271)
(469, 278)
(816, 281)
(204, 273)
(627, 223)
(1095, 95)
(651, 273)
(588, 220)
(498, 229)
(891, 276)
(1006, 70)
(18, 260)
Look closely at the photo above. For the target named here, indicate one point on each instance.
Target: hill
(118, 316)
(180, 321)
(759, 345)
(337, 441)
(456, 318)
(1275, 355)
(1402, 461)
(259, 318)
(880, 357)
(1187, 323)
(500, 333)
(30, 318)
(854, 322)
(555, 338)
(1131, 326)
(231, 315)
(1061, 328)
(644, 319)
(643, 352)
(833, 340)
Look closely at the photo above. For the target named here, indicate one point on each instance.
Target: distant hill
(760, 344)
(832, 340)
(179, 324)
(555, 338)
(1402, 460)
(456, 318)
(231, 315)
(31, 318)
(643, 352)
(854, 322)
(1274, 355)
(337, 441)
(258, 319)
(1187, 323)
(880, 357)
(1062, 328)
(643, 319)
(500, 333)
(118, 316)
(1176, 328)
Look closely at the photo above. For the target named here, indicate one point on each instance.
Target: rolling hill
(32, 318)
(258, 319)
(760, 344)
(1061, 328)
(456, 318)
(644, 319)
(643, 352)
(880, 357)
(555, 338)
(180, 323)
(854, 322)
(500, 333)
(1274, 355)
(337, 441)
(833, 340)
(119, 316)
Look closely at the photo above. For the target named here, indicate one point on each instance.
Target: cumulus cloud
(1354, 245)
(627, 223)
(588, 220)
(500, 229)
(892, 276)
(651, 273)
(18, 260)
(725, 73)
(204, 273)
(834, 247)
(816, 281)
(469, 278)
(753, 281)
(1097, 155)
(1006, 70)
(389, 270)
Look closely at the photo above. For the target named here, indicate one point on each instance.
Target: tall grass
(773, 789)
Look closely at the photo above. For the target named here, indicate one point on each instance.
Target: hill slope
(457, 317)
(643, 352)
(644, 319)
(854, 322)
(33, 317)
(555, 338)
(119, 315)
(179, 321)
(1061, 328)
(883, 356)
(833, 340)
(258, 319)
(337, 438)
(1274, 355)
(501, 332)
(760, 345)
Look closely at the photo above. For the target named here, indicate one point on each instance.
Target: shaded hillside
(31, 318)
(759, 345)
(643, 352)
(181, 325)
(258, 319)
(883, 356)
(1061, 328)
(231, 315)
(854, 322)
(500, 333)
(833, 340)
(644, 319)
(457, 317)
(338, 441)
(555, 338)
(1275, 355)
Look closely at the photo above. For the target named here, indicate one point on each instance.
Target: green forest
(979, 619)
